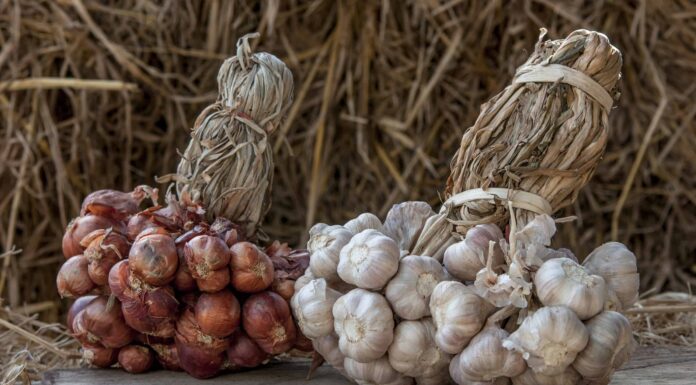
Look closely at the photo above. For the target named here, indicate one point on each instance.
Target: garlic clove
(312, 307)
(377, 372)
(458, 314)
(325, 244)
(369, 260)
(549, 339)
(568, 377)
(304, 280)
(410, 289)
(467, 257)
(362, 222)
(414, 352)
(485, 360)
(610, 346)
(617, 265)
(561, 281)
(364, 324)
(405, 221)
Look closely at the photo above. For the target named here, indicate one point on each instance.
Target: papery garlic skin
(304, 280)
(561, 281)
(610, 346)
(467, 257)
(549, 339)
(377, 372)
(442, 378)
(409, 290)
(617, 265)
(485, 360)
(414, 352)
(324, 245)
(364, 221)
(405, 221)
(364, 324)
(369, 260)
(312, 307)
(458, 314)
(327, 347)
(568, 377)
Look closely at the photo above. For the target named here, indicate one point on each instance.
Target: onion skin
(183, 280)
(104, 323)
(197, 361)
(252, 269)
(76, 308)
(244, 352)
(153, 257)
(284, 287)
(216, 281)
(207, 258)
(136, 359)
(73, 278)
(103, 249)
(80, 227)
(218, 314)
(302, 343)
(99, 356)
(168, 356)
(139, 223)
(267, 320)
(116, 204)
(152, 313)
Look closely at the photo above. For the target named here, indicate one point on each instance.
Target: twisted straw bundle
(228, 165)
(538, 141)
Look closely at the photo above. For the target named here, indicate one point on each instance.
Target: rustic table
(649, 366)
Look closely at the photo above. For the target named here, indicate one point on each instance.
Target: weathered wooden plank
(654, 365)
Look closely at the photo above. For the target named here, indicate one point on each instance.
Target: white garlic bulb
(313, 306)
(414, 352)
(617, 265)
(568, 377)
(327, 347)
(369, 260)
(458, 314)
(362, 222)
(549, 339)
(561, 281)
(467, 257)
(303, 280)
(377, 372)
(441, 378)
(409, 291)
(610, 346)
(364, 324)
(486, 360)
(325, 244)
(405, 221)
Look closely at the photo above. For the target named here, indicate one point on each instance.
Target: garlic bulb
(369, 260)
(409, 291)
(327, 347)
(364, 324)
(610, 346)
(362, 222)
(561, 281)
(568, 377)
(377, 372)
(458, 314)
(617, 265)
(414, 353)
(405, 221)
(549, 339)
(465, 258)
(312, 307)
(485, 360)
(325, 244)
(306, 278)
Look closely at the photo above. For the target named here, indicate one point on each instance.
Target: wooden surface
(649, 366)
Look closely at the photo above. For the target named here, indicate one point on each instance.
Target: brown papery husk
(542, 138)
(228, 164)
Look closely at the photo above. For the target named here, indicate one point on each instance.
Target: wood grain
(653, 365)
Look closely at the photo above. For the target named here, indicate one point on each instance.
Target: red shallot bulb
(99, 356)
(117, 204)
(183, 280)
(80, 227)
(207, 258)
(139, 223)
(153, 257)
(136, 359)
(284, 287)
(167, 356)
(103, 248)
(152, 312)
(73, 278)
(76, 308)
(267, 320)
(102, 322)
(252, 269)
(217, 314)
(200, 355)
(302, 343)
(224, 229)
(244, 352)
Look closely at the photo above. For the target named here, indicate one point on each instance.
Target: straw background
(102, 94)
